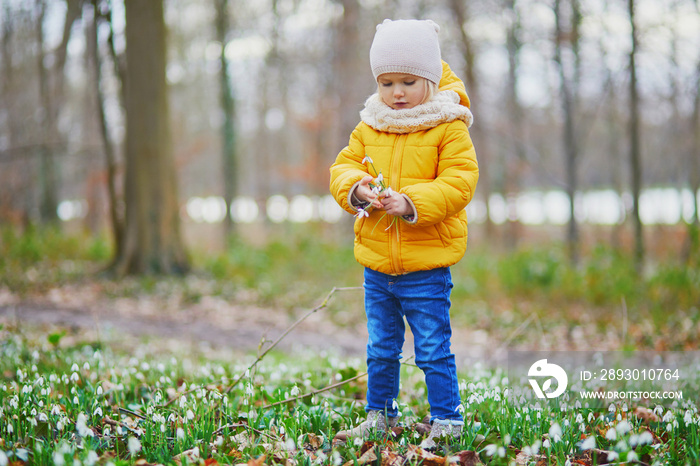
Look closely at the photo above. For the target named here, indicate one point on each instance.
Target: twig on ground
(315, 392)
(286, 332)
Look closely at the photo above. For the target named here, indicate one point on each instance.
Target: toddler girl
(407, 174)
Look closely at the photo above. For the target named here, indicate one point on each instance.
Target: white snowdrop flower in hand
(134, 446)
(367, 159)
(379, 178)
(361, 213)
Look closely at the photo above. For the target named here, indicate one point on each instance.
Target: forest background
(164, 191)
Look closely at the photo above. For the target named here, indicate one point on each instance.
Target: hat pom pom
(383, 23)
(433, 24)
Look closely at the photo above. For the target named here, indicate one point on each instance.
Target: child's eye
(409, 83)
(386, 84)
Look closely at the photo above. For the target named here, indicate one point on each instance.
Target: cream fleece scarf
(444, 107)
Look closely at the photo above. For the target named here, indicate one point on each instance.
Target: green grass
(54, 391)
(83, 404)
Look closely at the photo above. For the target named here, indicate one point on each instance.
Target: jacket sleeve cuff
(353, 201)
(411, 218)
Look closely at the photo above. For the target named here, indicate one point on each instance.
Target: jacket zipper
(395, 180)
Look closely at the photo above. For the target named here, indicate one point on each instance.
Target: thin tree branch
(315, 392)
(323, 305)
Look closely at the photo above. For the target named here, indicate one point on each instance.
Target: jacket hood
(450, 82)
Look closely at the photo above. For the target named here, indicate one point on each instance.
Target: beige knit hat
(407, 46)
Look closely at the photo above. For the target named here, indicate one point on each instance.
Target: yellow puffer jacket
(434, 167)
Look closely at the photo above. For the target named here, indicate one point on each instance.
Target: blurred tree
(48, 203)
(228, 133)
(692, 246)
(102, 15)
(478, 131)
(634, 135)
(151, 243)
(515, 156)
(568, 84)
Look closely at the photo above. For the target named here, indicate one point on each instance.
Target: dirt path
(212, 324)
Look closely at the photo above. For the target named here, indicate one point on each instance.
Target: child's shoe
(441, 430)
(376, 421)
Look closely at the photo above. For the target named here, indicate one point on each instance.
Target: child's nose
(398, 91)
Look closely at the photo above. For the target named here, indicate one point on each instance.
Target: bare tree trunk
(108, 146)
(48, 197)
(692, 245)
(11, 206)
(152, 243)
(515, 156)
(228, 134)
(568, 98)
(478, 131)
(635, 149)
(347, 68)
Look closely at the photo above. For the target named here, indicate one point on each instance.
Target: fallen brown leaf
(466, 458)
(257, 461)
(646, 414)
(368, 457)
(417, 454)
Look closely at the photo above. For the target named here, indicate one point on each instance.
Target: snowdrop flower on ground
(611, 434)
(134, 446)
(588, 443)
(534, 449)
(623, 427)
(82, 427)
(555, 433)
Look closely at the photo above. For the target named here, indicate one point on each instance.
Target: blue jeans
(424, 299)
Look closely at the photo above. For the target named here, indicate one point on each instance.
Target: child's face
(401, 91)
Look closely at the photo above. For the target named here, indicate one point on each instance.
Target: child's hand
(364, 193)
(396, 204)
